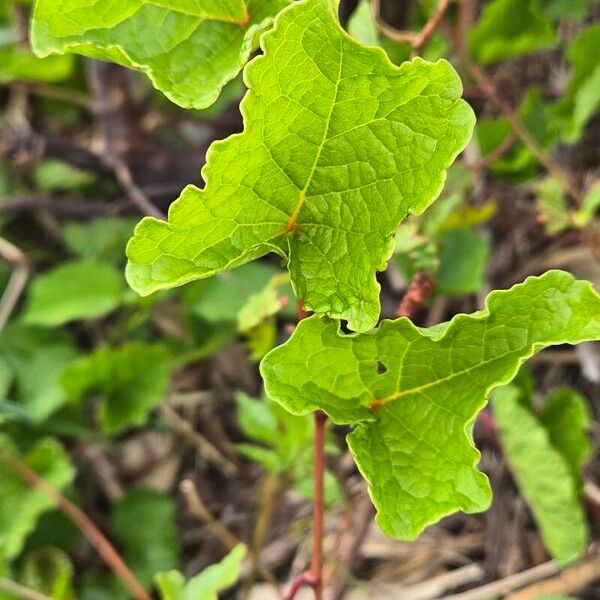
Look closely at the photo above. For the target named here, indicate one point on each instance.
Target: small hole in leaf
(381, 368)
(344, 328)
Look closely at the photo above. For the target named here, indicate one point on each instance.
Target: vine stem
(416, 296)
(430, 27)
(417, 40)
(105, 549)
(316, 568)
(314, 577)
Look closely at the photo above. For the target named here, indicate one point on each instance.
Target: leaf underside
(545, 453)
(414, 393)
(190, 48)
(338, 146)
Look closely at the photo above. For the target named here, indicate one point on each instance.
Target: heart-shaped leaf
(338, 146)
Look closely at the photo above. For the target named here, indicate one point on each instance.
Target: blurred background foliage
(147, 413)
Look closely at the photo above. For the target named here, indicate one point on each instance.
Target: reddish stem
(304, 579)
(316, 568)
(416, 296)
(314, 577)
(430, 27)
(300, 312)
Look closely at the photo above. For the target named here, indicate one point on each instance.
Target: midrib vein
(401, 393)
(293, 221)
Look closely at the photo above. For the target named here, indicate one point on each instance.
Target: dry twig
(227, 538)
(198, 509)
(510, 583)
(16, 284)
(417, 40)
(572, 579)
(20, 591)
(489, 89)
(105, 108)
(204, 447)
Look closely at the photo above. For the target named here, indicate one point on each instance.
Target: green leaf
(213, 305)
(144, 525)
(265, 457)
(102, 239)
(128, 382)
(548, 472)
(491, 133)
(519, 164)
(5, 573)
(205, 586)
(99, 585)
(17, 64)
(553, 206)
(589, 208)
(510, 28)
(362, 26)
(82, 289)
(566, 417)
(582, 96)
(288, 436)
(333, 156)
(55, 530)
(304, 484)
(261, 338)
(288, 442)
(44, 353)
(49, 570)
(415, 252)
(221, 298)
(56, 175)
(6, 377)
(260, 306)
(21, 505)
(412, 394)
(255, 320)
(463, 258)
(189, 49)
(170, 585)
(231, 95)
(570, 10)
(469, 216)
